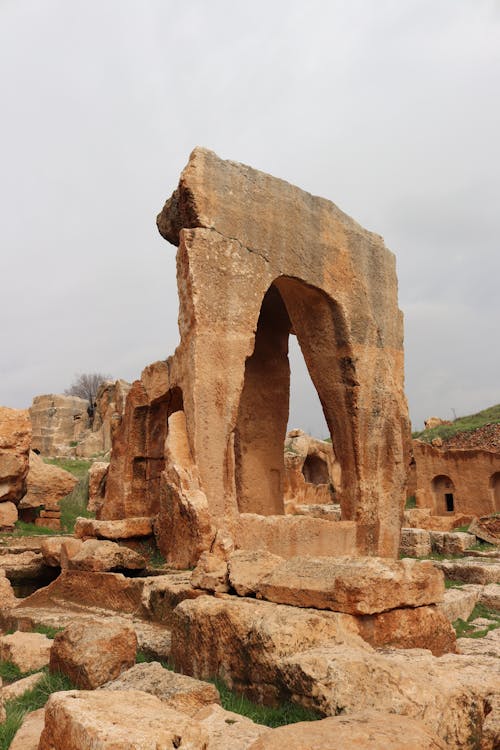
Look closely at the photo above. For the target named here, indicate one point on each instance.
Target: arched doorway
(291, 306)
(444, 494)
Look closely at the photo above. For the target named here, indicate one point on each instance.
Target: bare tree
(86, 385)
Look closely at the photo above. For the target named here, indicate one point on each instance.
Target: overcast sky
(390, 108)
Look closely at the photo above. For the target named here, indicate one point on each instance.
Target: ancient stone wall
(457, 480)
(259, 260)
(57, 422)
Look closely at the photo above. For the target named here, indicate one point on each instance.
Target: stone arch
(495, 490)
(290, 305)
(444, 494)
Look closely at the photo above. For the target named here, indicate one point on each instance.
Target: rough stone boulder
(242, 639)
(421, 518)
(115, 720)
(15, 438)
(96, 555)
(8, 515)
(486, 528)
(57, 421)
(415, 543)
(161, 594)
(176, 690)
(409, 627)
(27, 736)
(126, 528)
(490, 596)
(93, 652)
(355, 585)
(470, 570)
(17, 688)
(459, 603)
(370, 730)
(98, 474)
(210, 573)
(7, 596)
(46, 484)
(451, 695)
(227, 730)
(451, 543)
(28, 651)
(19, 567)
(248, 568)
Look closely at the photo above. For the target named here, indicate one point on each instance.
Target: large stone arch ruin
(257, 260)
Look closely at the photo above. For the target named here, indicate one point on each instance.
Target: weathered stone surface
(46, 484)
(490, 596)
(326, 512)
(127, 528)
(27, 736)
(421, 518)
(20, 566)
(370, 730)
(7, 597)
(415, 543)
(93, 652)
(69, 548)
(356, 585)
(15, 437)
(8, 515)
(99, 555)
(449, 695)
(51, 550)
(247, 569)
(486, 528)
(451, 543)
(241, 639)
(210, 573)
(288, 536)
(19, 687)
(412, 627)
(488, 645)
(470, 570)
(459, 603)
(98, 473)
(116, 720)
(178, 691)
(28, 651)
(226, 729)
(161, 594)
(57, 421)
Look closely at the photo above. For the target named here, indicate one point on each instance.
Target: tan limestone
(46, 484)
(448, 543)
(28, 651)
(247, 569)
(459, 603)
(99, 555)
(27, 736)
(366, 731)
(312, 473)
(226, 729)
(15, 437)
(69, 548)
(98, 474)
(176, 690)
(94, 652)
(355, 585)
(23, 565)
(111, 720)
(19, 687)
(57, 421)
(127, 528)
(210, 573)
(411, 627)
(8, 515)
(415, 543)
(471, 569)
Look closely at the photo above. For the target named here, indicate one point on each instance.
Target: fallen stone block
(96, 555)
(210, 574)
(178, 691)
(451, 543)
(19, 687)
(486, 528)
(27, 736)
(373, 730)
(470, 570)
(69, 548)
(410, 627)
(19, 567)
(8, 515)
(415, 543)
(490, 596)
(125, 528)
(28, 651)
(93, 652)
(489, 645)
(226, 729)
(113, 720)
(355, 585)
(248, 568)
(459, 603)
(161, 595)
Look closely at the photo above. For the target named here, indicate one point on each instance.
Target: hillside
(481, 430)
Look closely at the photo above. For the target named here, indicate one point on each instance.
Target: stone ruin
(201, 442)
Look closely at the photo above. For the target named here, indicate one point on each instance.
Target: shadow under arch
(290, 305)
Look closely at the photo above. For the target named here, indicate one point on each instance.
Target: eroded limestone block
(99, 555)
(470, 570)
(371, 729)
(490, 596)
(415, 543)
(15, 438)
(8, 515)
(226, 729)
(178, 691)
(356, 585)
(93, 652)
(27, 736)
(110, 719)
(161, 594)
(126, 528)
(98, 473)
(451, 543)
(247, 569)
(57, 421)
(28, 651)
(210, 573)
(46, 484)
(19, 567)
(459, 603)
(19, 687)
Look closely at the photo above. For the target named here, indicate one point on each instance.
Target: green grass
(75, 504)
(461, 424)
(270, 716)
(47, 630)
(10, 672)
(17, 708)
(22, 528)
(483, 546)
(462, 528)
(467, 630)
(411, 502)
(449, 584)
(79, 467)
